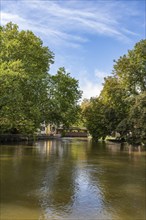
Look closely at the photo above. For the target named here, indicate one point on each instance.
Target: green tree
(24, 77)
(121, 104)
(116, 99)
(137, 119)
(83, 106)
(95, 119)
(65, 94)
(131, 69)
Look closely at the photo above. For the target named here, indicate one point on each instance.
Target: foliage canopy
(121, 105)
(29, 95)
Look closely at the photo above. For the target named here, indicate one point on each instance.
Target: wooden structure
(72, 132)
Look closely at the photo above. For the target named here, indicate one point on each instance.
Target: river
(71, 179)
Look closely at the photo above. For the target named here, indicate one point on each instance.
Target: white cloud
(69, 22)
(90, 89)
(99, 78)
(100, 75)
(7, 17)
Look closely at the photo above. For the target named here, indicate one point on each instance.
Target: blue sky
(85, 35)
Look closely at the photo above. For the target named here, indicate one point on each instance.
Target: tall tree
(121, 104)
(95, 119)
(24, 79)
(116, 99)
(131, 69)
(65, 94)
(137, 119)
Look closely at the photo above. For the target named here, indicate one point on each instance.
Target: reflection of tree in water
(75, 178)
(20, 176)
(57, 189)
(122, 181)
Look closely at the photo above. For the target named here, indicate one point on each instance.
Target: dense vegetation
(29, 95)
(121, 105)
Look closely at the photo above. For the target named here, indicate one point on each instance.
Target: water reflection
(72, 179)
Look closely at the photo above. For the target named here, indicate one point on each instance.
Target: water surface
(72, 179)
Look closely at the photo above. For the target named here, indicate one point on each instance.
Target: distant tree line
(29, 95)
(121, 105)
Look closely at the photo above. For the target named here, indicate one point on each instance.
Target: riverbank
(19, 138)
(12, 138)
